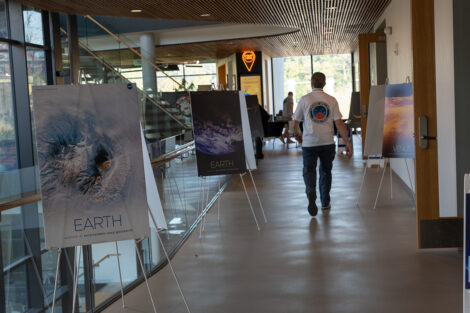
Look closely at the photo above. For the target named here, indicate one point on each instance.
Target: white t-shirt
(318, 110)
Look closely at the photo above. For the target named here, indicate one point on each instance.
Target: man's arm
(344, 134)
(296, 130)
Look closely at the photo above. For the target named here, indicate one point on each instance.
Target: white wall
(400, 66)
(267, 84)
(445, 96)
(226, 61)
(278, 83)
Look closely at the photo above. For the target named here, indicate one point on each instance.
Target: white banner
(375, 121)
(153, 198)
(247, 139)
(90, 163)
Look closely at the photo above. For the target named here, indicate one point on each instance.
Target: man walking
(319, 112)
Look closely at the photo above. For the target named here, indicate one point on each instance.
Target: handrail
(135, 51)
(127, 80)
(35, 196)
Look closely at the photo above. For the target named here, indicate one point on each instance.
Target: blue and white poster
(90, 164)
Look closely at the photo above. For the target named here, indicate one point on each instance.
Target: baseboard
(441, 233)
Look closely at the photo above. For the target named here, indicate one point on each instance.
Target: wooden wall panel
(424, 83)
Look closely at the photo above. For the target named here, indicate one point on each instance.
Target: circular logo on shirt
(320, 111)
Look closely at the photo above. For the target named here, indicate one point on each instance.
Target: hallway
(356, 259)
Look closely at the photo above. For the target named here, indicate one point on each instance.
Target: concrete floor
(355, 259)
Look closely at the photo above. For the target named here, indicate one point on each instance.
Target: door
(372, 71)
(222, 73)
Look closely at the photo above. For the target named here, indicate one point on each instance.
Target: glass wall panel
(337, 68)
(11, 228)
(8, 154)
(297, 74)
(33, 32)
(3, 20)
(49, 264)
(16, 290)
(106, 270)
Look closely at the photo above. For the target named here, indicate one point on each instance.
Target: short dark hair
(290, 93)
(318, 80)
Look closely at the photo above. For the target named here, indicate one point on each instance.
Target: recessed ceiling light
(136, 11)
(205, 15)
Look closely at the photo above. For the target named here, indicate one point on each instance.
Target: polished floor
(356, 259)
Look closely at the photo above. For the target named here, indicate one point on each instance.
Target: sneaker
(326, 209)
(312, 206)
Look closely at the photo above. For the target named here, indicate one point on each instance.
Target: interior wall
(227, 61)
(278, 83)
(267, 83)
(400, 66)
(445, 97)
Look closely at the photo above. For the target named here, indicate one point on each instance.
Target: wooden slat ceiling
(326, 26)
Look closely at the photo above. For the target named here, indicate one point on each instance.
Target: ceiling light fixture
(205, 15)
(136, 11)
(331, 8)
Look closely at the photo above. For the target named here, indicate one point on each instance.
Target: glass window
(37, 71)
(3, 20)
(16, 291)
(8, 155)
(195, 81)
(200, 69)
(11, 228)
(297, 74)
(165, 84)
(49, 265)
(32, 20)
(106, 277)
(337, 68)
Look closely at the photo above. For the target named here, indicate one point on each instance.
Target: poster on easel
(90, 164)
(254, 115)
(398, 140)
(375, 121)
(218, 132)
(466, 248)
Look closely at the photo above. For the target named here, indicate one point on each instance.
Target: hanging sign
(249, 58)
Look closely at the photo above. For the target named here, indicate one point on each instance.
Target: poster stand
(120, 275)
(257, 195)
(391, 184)
(170, 264)
(249, 201)
(371, 160)
(76, 270)
(56, 278)
(139, 257)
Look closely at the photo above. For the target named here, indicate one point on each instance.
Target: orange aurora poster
(398, 141)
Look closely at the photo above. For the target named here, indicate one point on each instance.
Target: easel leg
(120, 275)
(380, 186)
(170, 265)
(145, 275)
(411, 183)
(218, 203)
(257, 194)
(362, 185)
(249, 202)
(391, 182)
(56, 278)
(76, 271)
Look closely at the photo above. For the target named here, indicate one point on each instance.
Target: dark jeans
(326, 154)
